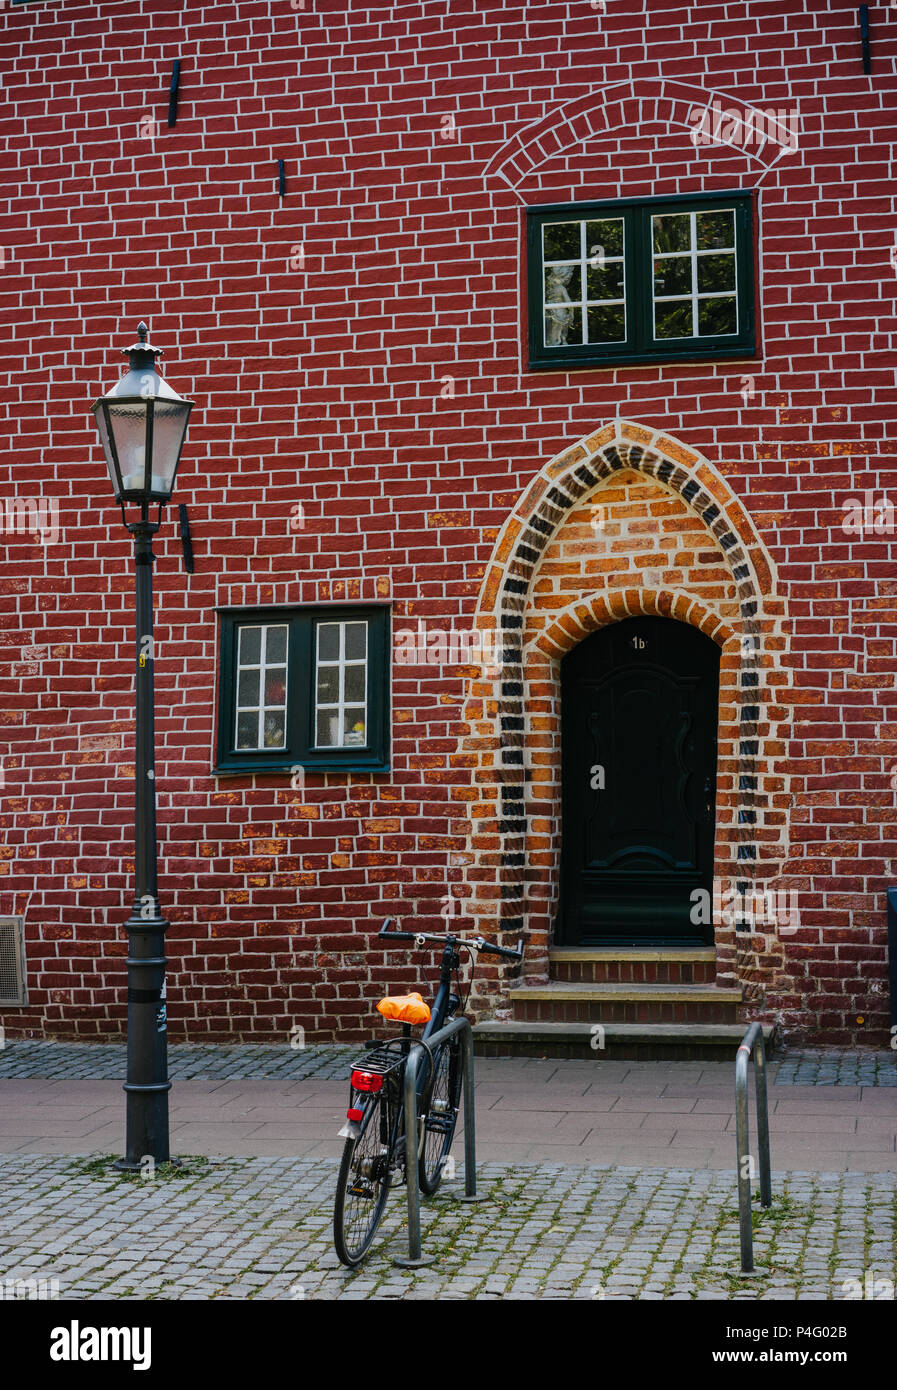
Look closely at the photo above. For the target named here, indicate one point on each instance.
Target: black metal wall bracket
(281, 179)
(173, 92)
(864, 38)
(186, 538)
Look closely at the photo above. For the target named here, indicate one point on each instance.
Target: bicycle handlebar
(477, 943)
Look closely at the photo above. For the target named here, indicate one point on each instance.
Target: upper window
(304, 686)
(640, 281)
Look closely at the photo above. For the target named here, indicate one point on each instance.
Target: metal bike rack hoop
(751, 1044)
(892, 958)
(415, 1259)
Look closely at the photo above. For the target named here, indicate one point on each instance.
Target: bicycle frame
(445, 1005)
(443, 1009)
(408, 1089)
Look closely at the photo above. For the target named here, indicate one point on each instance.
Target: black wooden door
(639, 703)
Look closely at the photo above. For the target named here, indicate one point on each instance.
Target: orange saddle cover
(407, 1008)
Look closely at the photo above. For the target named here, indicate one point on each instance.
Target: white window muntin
(693, 253)
(340, 707)
(584, 303)
(261, 709)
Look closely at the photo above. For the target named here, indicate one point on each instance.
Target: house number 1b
(638, 643)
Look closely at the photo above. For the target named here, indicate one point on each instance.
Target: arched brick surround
(629, 106)
(671, 539)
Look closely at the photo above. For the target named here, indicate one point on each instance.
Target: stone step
(621, 1041)
(647, 965)
(560, 1001)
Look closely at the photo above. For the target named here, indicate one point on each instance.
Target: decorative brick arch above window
(512, 718)
(757, 137)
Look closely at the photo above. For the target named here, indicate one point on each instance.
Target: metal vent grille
(12, 961)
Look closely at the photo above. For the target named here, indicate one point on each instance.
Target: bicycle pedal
(361, 1190)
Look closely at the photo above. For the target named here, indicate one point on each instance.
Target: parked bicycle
(374, 1155)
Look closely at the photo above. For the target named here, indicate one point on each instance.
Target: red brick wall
(319, 376)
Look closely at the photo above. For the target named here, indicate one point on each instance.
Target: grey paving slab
(52, 1128)
(716, 1159)
(271, 1148)
(529, 1125)
(40, 1114)
(882, 1100)
(876, 1124)
(45, 1144)
(686, 1123)
(813, 1101)
(261, 1134)
(53, 1092)
(814, 1124)
(717, 1105)
(208, 1131)
(639, 1154)
(522, 1102)
(505, 1103)
(517, 1087)
(710, 1089)
(294, 1115)
(623, 1121)
(666, 1104)
(864, 1162)
(835, 1143)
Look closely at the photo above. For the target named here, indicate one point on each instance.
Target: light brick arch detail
(511, 863)
(578, 620)
(623, 105)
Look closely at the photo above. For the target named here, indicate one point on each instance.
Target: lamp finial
(142, 354)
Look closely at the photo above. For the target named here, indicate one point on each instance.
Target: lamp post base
(146, 1165)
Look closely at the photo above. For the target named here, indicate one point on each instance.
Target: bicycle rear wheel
(363, 1185)
(442, 1114)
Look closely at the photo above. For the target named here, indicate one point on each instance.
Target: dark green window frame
(300, 699)
(639, 344)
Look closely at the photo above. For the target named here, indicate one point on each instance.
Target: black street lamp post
(142, 424)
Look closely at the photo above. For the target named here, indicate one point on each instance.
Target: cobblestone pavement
(833, 1066)
(236, 1062)
(186, 1061)
(567, 1214)
(260, 1228)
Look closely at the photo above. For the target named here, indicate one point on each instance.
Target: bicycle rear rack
(383, 1058)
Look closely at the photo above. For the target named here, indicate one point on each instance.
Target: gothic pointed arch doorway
(626, 523)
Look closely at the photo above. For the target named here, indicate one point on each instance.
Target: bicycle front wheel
(442, 1114)
(362, 1186)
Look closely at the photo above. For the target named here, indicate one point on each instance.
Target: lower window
(306, 687)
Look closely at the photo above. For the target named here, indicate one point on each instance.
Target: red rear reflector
(356, 1115)
(367, 1081)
